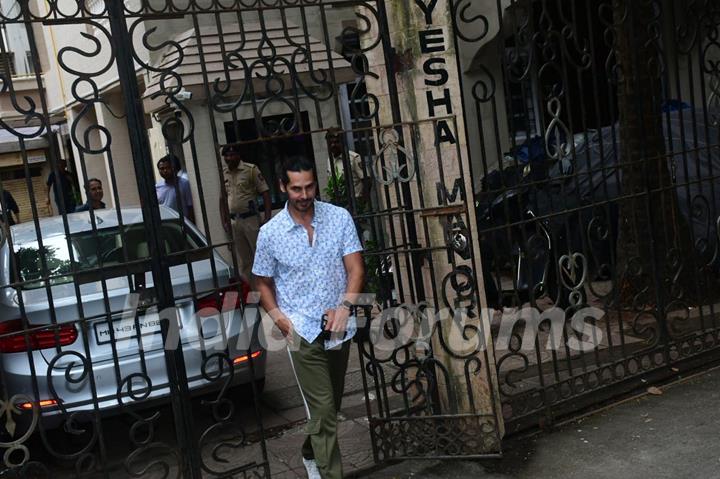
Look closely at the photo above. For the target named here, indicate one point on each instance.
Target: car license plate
(126, 328)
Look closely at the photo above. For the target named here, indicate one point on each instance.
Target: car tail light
(226, 300)
(54, 336)
(43, 403)
(246, 357)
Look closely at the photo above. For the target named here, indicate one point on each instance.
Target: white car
(77, 342)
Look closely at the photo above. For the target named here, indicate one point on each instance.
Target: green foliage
(336, 191)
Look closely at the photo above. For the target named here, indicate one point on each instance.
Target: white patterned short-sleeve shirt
(309, 279)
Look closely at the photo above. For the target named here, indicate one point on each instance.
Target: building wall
(86, 164)
(486, 119)
(329, 19)
(689, 78)
(118, 158)
(59, 37)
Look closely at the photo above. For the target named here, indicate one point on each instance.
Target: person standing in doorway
(11, 206)
(309, 266)
(62, 188)
(94, 191)
(238, 206)
(172, 190)
(360, 181)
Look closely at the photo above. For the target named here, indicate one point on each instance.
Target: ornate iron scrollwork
(388, 166)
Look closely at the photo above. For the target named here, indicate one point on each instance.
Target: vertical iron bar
(218, 162)
(140, 147)
(52, 150)
(388, 53)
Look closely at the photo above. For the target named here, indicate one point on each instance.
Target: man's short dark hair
(334, 132)
(296, 164)
(167, 159)
(87, 183)
(229, 149)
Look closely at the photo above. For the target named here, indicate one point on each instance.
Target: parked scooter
(523, 256)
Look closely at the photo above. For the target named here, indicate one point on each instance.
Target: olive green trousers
(320, 375)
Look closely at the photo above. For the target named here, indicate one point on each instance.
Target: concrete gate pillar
(428, 90)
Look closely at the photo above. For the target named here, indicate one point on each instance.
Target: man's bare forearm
(266, 288)
(355, 268)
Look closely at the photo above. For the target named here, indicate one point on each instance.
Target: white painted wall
(119, 157)
(95, 164)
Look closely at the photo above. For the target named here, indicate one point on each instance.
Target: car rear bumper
(110, 399)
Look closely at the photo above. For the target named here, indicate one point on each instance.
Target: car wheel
(243, 393)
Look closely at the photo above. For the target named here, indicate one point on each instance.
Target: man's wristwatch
(347, 305)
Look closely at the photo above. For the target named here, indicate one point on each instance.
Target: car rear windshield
(106, 248)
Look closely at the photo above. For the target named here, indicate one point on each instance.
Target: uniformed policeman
(238, 206)
(360, 180)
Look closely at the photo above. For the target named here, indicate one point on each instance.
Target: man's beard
(303, 205)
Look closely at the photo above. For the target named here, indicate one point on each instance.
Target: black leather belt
(241, 216)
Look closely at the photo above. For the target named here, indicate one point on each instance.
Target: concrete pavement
(672, 435)
(283, 416)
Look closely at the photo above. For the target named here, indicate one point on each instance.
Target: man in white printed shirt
(308, 263)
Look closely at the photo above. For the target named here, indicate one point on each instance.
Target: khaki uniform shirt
(356, 167)
(242, 186)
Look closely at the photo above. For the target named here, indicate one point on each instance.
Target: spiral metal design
(540, 83)
(552, 223)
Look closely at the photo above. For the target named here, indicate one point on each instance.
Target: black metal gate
(589, 269)
(597, 194)
(116, 319)
(126, 313)
(427, 371)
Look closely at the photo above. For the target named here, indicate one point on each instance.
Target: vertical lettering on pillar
(432, 40)
(445, 175)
